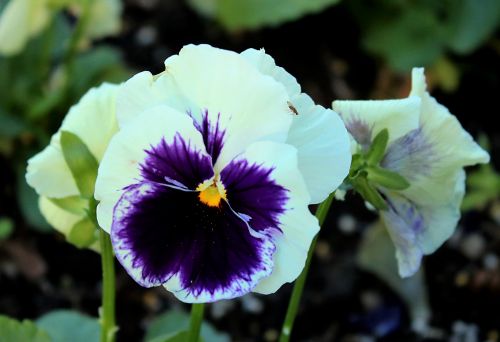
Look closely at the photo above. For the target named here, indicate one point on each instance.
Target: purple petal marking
(411, 155)
(360, 131)
(405, 224)
(177, 164)
(251, 191)
(160, 232)
(213, 135)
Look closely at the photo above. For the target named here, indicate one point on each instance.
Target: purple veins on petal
(160, 232)
(177, 163)
(251, 191)
(213, 135)
(411, 155)
(360, 131)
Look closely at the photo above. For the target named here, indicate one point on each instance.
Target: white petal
(251, 106)
(318, 133)
(266, 65)
(58, 218)
(324, 148)
(120, 165)
(93, 120)
(398, 116)
(442, 220)
(49, 174)
(298, 225)
(454, 146)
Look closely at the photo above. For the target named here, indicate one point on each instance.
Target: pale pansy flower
(93, 120)
(205, 189)
(104, 17)
(21, 20)
(429, 148)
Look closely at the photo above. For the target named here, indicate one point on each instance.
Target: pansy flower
(93, 120)
(429, 148)
(205, 189)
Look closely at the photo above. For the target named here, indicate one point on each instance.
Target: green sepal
(369, 193)
(83, 233)
(81, 162)
(378, 147)
(73, 204)
(387, 179)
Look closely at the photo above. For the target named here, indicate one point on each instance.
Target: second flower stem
(195, 323)
(293, 305)
(107, 315)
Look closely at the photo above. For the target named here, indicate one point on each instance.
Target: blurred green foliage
(66, 325)
(12, 330)
(408, 33)
(38, 86)
(253, 14)
(172, 326)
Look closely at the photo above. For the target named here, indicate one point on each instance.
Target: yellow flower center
(211, 194)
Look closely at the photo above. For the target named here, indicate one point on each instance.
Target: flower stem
(293, 304)
(195, 323)
(108, 327)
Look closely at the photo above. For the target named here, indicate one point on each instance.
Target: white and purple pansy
(206, 186)
(429, 148)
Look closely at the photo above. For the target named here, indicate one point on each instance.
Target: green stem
(108, 327)
(293, 305)
(76, 36)
(195, 323)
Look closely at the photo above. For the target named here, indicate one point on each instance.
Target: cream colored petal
(93, 120)
(454, 146)
(60, 219)
(14, 26)
(398, 116)
(48, 173)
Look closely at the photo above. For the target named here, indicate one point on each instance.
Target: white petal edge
(455, 146)
(319, 134)
(298, 225)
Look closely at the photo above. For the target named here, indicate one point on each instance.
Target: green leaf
(74, 204)
(83, 233)
(10, 126)
(387, 179)
(25, 331)
(378, 147)
(369, 193)
(66, 325)
(176, 322)
(471, 22)
(100, 64)
(81, 162)
(179, 336)
(6, 227)
(407, 38)
(253, 14)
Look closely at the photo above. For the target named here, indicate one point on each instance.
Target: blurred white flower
(429, 148)
(21, 20)
(93, 120)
